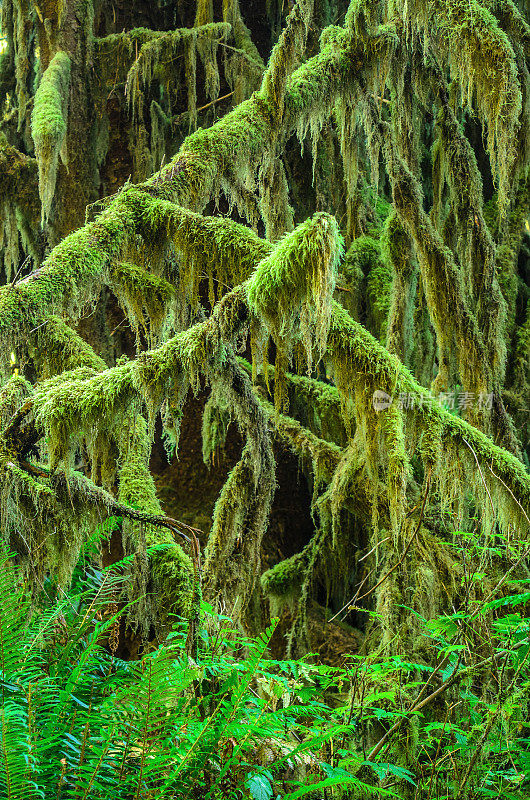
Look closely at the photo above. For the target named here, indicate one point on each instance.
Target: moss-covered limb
(357, 359)
(296, 282)
(398, 252)
(232, 558)
(193, 177)
(81, 404)
(483, 62)
(91, 494)
(85, 403)
(122, 437)
(129, 42)
(75, 496)
(161, 48)
(74, 268)
(48, 125)
(319, 455)
(72, 273)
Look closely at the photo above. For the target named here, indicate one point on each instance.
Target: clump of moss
(296, 283)
(282, 583)
(48, 125)
(147, 299)
(161, 48)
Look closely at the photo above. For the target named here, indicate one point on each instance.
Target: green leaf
(260, 786)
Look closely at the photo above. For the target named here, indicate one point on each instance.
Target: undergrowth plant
(78, 722)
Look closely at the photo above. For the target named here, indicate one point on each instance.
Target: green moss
(12, 395)
(284, 580)
(171, 568)
(73, 272)
(297, 281)
(397, 252)
(141, 293)
(158, 49)
(215, 421)
(284, 56)
(48, 125)
(483, 62)
(216, 248)
(58, 348)
(363, 254)
(245, 66)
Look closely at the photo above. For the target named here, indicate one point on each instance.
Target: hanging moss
(284, 56)
(48, 126)
(298, 278)
(215, 421)
(483, 62)
(215, 248)
(233, 553)
(368, 465)
(244, 66)
(12, 395)
(145, 297)
(397, 249)
(160, 48)
(171, 569)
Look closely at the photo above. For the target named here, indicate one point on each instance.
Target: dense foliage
(307, 222)
(77, 721)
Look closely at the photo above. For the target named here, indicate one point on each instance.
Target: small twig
(213, 102)
(481, 475)
(19, 270)
(369, 553)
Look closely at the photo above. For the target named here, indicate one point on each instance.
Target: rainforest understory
(265, 354)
